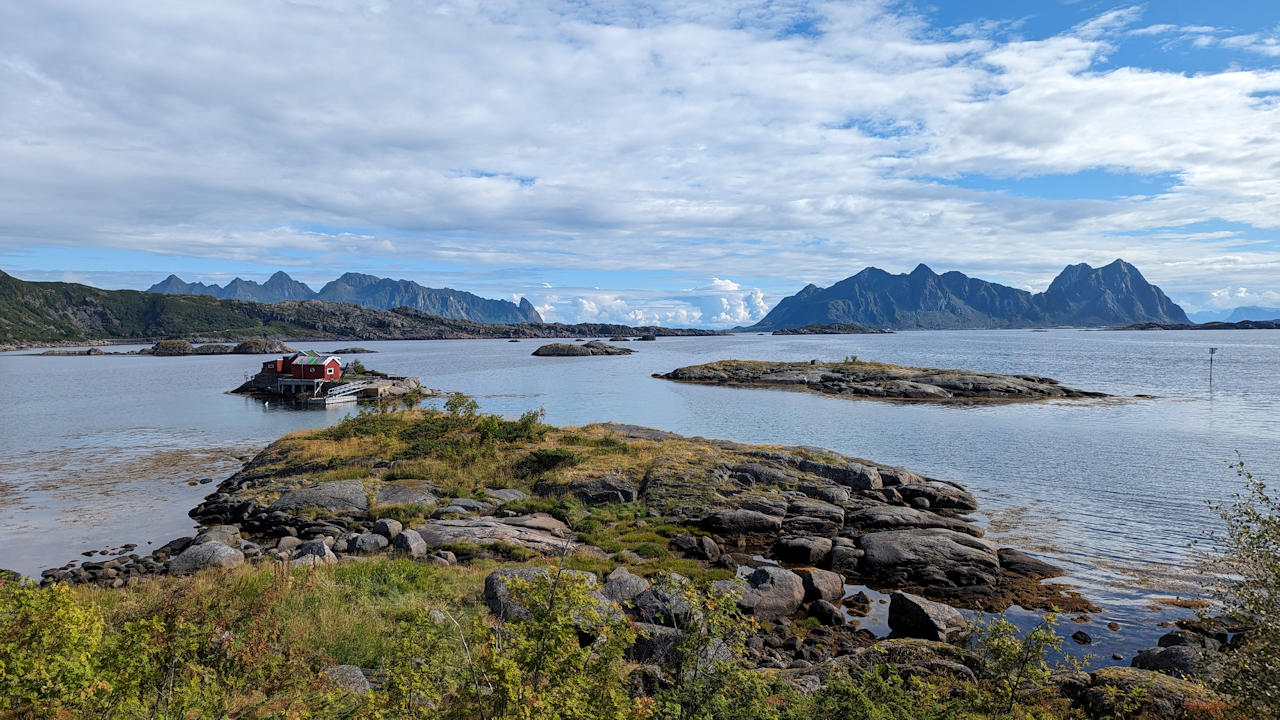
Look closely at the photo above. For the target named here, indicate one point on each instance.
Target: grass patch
(406, 514)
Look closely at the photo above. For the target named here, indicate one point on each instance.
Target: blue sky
(684, 164)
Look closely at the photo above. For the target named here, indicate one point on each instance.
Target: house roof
(311, 358)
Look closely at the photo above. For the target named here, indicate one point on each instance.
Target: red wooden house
(306, 366)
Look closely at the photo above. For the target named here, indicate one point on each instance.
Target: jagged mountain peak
(1080, 295)
(367, 290)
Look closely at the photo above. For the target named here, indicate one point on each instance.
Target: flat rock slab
(898, 517)
(538, 533)
(405, 495)
(932, 556)
(337, 495)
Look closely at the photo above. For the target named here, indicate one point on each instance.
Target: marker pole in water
(1212, 352)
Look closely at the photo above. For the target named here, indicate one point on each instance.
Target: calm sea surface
(102, 451)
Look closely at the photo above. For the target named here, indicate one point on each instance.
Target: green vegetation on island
(856, 378)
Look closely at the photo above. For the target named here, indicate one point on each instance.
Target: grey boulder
(821, 584)
(366, 543)
(622, 585)
(228, 535)
(314, 553)
(205, 555)
(410, 543)
(347, 678)
(915, 617)
(771, 593)
(387, 528)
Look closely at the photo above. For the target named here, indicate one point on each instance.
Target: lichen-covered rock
(347, 678)
(700, 547)
(898, 517)
(314, 553)
(406, 495)
(731, 522)
(1129, 692)
(803, 550)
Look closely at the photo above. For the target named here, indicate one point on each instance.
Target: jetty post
(1212, 351)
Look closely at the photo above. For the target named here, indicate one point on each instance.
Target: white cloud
(721, 284)
(594, 138)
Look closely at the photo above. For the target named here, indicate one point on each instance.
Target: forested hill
(56, 312)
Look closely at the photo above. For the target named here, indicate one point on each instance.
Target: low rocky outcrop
(1130, 692)
(497, 588)
(594, 347)
(830, 329)
(338, 495)
(860, 379)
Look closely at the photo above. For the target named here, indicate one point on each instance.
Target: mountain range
(365, 290)
(1240, 314)
(58, 312)
(1080, 296)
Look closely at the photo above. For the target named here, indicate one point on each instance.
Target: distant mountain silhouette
(1081, 295)
(1253, 312)
(366, 290)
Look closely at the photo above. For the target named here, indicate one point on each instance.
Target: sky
(642, 162)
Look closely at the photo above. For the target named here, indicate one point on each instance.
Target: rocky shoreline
(807, 530)
(184, 348)
(862, 379)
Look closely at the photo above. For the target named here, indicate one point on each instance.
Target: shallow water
(100, 450)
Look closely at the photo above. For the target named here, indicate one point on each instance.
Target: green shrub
(544, 460)
(1017, 666)
(460, 404)
(1249, 548)
(531, 667)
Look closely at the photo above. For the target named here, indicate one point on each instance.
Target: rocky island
(835, 328)
(864, 379)
(594, 347)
